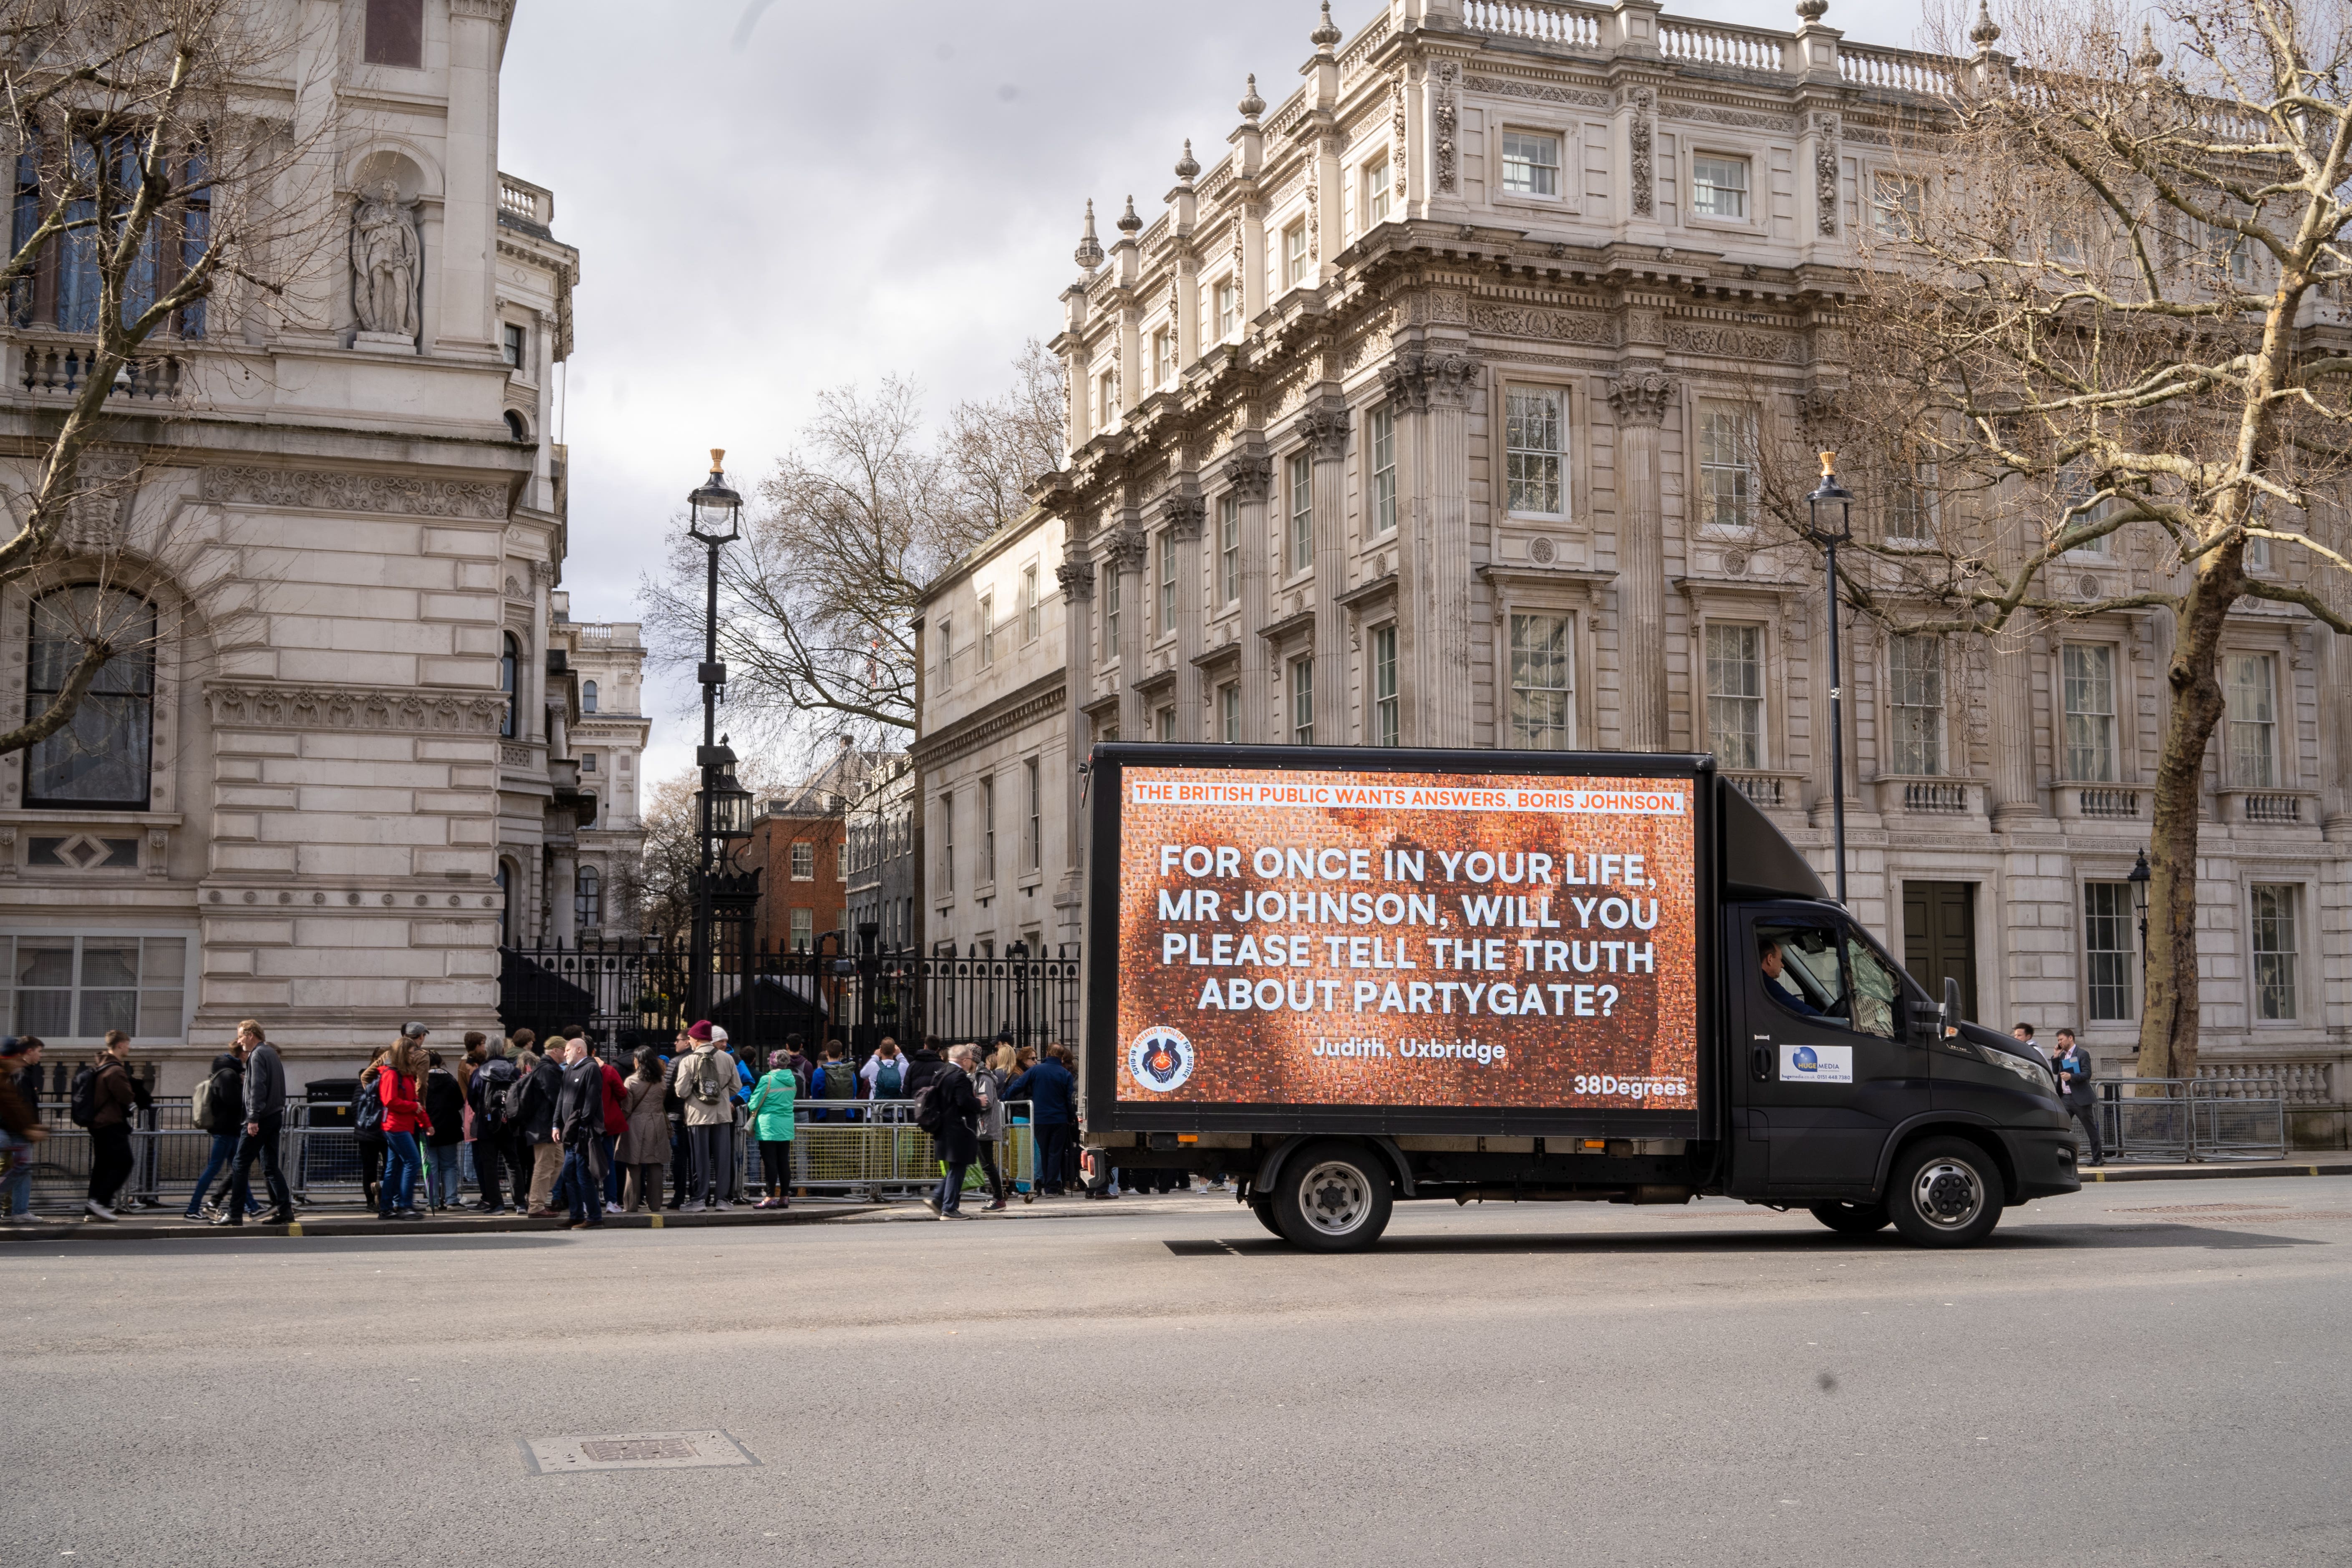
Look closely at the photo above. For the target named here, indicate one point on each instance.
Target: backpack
(711, 1083)
(83, 1106)
(215, 1109)
(200, 1107)
(930, 1111)
(367, 1109)
(888, 1081)
(837, 1081)
(501, 1093)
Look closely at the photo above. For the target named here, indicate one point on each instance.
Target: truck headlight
(2036, 1076)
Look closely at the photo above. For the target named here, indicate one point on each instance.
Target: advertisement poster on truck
(1302, 938)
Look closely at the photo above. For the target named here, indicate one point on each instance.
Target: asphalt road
(2149, 1374)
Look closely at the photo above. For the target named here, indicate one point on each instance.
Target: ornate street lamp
(723, 807)
(1831, 506)
(2138, 881)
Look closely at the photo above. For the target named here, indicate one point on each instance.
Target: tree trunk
(2167, 1021)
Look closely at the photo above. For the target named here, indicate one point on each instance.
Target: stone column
(1432, 386)
(1185, 515)
(1128, 552)
(1251, 475)
(1325, 430)
(472, 177)
(1639, 396)
(2012, 792)
(1077, 576)
(565, 876)
(2335, 732)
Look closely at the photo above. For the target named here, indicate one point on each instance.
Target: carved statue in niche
(384, 264)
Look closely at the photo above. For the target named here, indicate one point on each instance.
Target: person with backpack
(21, 1131)
(367, 1128)
(771, 1111)
(104, 1099)
(644, 1147)
(681, 1147)
(924, 1067)
(218, 1108)
(946, 1108)
(988, 1083)
(396, 1086)
(537, 1122)
(885, 1072)
(1053, 1096)
(836, 1079)
(496, 1096)
(264, 1119)
(707, 1082)
(444, 1111)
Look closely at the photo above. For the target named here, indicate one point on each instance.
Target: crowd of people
(551, 1130)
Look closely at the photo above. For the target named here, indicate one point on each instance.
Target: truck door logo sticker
(1816, 1064)
(1161, 1059)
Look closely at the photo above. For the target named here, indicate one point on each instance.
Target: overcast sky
(774, 197)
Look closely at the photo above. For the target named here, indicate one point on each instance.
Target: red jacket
(402, 1114)
(617, 1101)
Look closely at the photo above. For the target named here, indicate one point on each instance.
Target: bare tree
(2108, 359)
(815, 601)
(150, 191)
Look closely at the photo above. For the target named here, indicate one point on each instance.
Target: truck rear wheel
(1853, 1219)
(1333, 1197)
(1945, 1191)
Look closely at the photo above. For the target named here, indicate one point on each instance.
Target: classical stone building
(355, 741)
(586, 846)
(883, 881)
(1430, 415)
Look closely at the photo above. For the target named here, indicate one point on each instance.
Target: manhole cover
(634, 1451)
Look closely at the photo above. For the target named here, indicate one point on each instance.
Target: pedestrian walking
(21, 1130)
(617, 1121)
(924, 1065)
(988, 1086)
(1052, 1093)
(947, 1112)
(771, 1111)
(477, 1053)
(367, 1128)
(445, 1109)
(681, 1147)
(218, 1108)
(265, 1120)
(104, 1101)
(495, 1097)
(397, 1085)
(706, 1083)
(2075, 1075)
(538, 1131)
(645, 1144)
(885, 1073)
(580, 1127)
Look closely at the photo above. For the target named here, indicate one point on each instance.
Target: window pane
(1727, 440)
(1382, 428)
(1916, 696)
(104, 1010)
(1531, 417)
(1530, 164)
(2108, 947)
(2276, 949)
(159, 1016)
(2090, 706)
(1302, 512)
(1719, 187)
(1385, 714)
(2250, 690)
(108, 962)
(101, 757)
(1735, 695)
(1539, 682)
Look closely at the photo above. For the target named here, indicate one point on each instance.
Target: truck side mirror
(1951, 1019)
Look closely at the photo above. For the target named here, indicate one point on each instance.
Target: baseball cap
(415, 1030)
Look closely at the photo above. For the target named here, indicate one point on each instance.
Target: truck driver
(1784, 989)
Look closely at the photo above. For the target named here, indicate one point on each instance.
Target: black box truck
(1346, 977)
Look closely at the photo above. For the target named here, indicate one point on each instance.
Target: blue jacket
(1051, 1091)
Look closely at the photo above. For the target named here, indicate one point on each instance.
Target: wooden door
(1940, 937)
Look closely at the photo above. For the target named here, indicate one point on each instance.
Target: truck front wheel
(1264, 1209)
(1945, 1191)
(1333, 1197)
(1853, 1219)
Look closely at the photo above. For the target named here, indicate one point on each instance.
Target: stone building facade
(1430, 415)
(587, 846)
(339, 777)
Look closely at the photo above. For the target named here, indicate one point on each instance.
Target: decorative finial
(1829, 465)
(1326, 32)
(1252, 105)
(1186, 166)
(2147, 57)
(1984, 32)
(1129, 224)
(718, 461)
(1812, 10)
(1090, 251)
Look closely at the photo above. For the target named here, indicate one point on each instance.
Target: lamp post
(715, 511)
(1831, 507)
(2138, 881)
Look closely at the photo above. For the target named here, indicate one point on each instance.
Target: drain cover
(634, 1451)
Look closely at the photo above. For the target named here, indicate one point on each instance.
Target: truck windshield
(1875, 988)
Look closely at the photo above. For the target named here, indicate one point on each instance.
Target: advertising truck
(1345, 977)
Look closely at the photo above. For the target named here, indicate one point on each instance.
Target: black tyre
(1264, 1209)
(1333, 1197)
(1945, 1191)
(1853, 1219)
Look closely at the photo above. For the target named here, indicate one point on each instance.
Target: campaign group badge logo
(1161, 1058)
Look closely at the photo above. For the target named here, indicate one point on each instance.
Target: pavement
(2152, 1376)
(171, 1223)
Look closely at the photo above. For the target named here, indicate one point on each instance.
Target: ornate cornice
(311, 490)
(272, 707)
(1008, 714)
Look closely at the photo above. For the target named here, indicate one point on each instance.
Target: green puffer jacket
(771, 1106)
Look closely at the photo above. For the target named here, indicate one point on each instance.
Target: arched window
(516, 427)
(103, 755)
(588, 899)
(588, 697)
(509, 662)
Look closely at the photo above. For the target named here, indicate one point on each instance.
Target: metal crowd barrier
(2172, 1121)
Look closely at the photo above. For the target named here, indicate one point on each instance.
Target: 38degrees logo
(1161, 1058)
